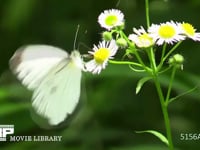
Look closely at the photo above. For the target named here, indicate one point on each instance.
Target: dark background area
(109, 112)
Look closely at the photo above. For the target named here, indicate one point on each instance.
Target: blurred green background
(109, 111)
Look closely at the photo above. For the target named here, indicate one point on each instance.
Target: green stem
(125, 63)
(152, 60)
(161, 98)
(165, 112)
(157, 83)
(163, 51)
(131, 63)
(147, 13)
(170, 85)
(136, 53)
(182, 94)
(175, 47)
(163, 104)
(162, 60)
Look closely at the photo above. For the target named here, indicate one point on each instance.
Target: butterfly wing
(61, 94)
(54, 77)
(32, 63)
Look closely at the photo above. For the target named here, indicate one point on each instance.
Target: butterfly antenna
(84, 45)
(118, 2)
(75, 38)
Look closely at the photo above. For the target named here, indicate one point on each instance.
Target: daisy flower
(101, 53)
(111, 18)
(189, 31)
(141, 38)
(168, 32)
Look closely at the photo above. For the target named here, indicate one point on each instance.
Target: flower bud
(121, 27)
(121, 42)
(177, 61)
(107, 36)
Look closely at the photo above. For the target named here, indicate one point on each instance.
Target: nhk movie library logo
(5, 130)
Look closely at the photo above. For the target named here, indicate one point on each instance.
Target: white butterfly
(53, 75)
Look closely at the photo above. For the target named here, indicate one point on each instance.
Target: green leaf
(182, 94)
(157, 134)
(141, 83)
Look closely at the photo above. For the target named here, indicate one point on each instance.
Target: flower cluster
(114, 38)
(171, 32)
(107, 48)
(139, 50)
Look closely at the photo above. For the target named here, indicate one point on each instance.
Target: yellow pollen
(188, 28)
(146, 40)
(101, 55)
(145, 36)
(111, 20)
(166, 31)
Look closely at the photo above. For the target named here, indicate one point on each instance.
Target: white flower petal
(141, 38)
(96, 67)
(189, 31)
(119, 19)
(160, 36)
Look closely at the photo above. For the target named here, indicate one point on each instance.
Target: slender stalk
(168, 54)
(162, 99)
(162, 60)
(157, 83)
(131, 63)
(165, 112)
(152, 60)
(163, 50)
(136, 53)
(170, 85)
(125, 63)
(147, 13)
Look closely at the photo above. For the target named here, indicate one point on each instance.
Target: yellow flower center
(145, 36)
(188, 28)
(101, 55)
(166, 31)
(111, 20)
(145, 40)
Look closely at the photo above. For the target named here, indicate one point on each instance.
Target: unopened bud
(176, 60)
(121, 42)
(107, 36)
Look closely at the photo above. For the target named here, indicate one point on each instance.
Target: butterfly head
(76, 59)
